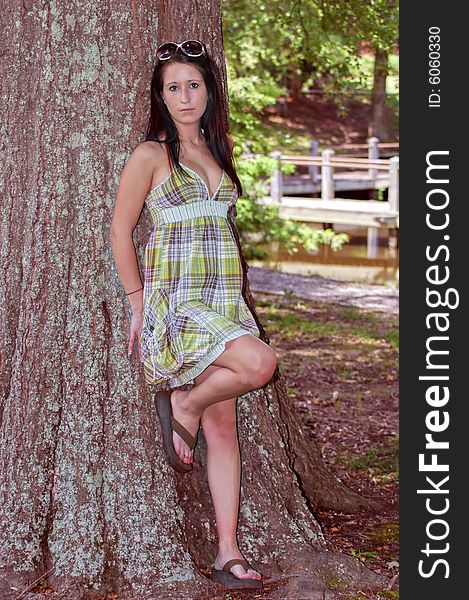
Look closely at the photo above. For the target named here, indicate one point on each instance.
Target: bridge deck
(365, 213)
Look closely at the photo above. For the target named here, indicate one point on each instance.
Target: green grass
(364, 556)
(359, 596)
(292, 320)
(382, 595)
(392, 337)
(333, 582)
(386, 532)
(388, 594)
(352, 313)
(381, 462)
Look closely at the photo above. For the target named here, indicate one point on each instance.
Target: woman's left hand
(135, 332)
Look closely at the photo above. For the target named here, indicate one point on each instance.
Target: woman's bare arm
(134, 184)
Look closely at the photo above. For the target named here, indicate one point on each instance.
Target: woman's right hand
(135, 332)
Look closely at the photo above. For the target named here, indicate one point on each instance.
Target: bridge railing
(327, 162)
(373, 149)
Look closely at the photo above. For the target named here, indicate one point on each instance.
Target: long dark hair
(214, 121)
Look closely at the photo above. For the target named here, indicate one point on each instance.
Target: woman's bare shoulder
(150, 157)
(150, 151)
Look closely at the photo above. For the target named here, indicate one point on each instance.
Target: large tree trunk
(379, 117)
(86, 495)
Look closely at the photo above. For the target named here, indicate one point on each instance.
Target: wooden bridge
(323, 177)
(310, 183)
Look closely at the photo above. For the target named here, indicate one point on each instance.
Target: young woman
(197, 339)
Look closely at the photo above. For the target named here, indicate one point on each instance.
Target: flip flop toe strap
(183, 433)
(235, 561)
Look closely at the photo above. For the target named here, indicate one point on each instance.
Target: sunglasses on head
(189, 47)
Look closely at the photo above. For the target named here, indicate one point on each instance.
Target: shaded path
(313, 287)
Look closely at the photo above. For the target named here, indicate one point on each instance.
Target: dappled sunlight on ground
(341, 370)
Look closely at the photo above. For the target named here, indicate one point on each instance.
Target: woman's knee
(260, 367)
(252, 359)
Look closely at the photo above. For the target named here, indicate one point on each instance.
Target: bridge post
(373, 154)
(393, 192)
(372, 242)
(327, 172)
(393, 197)
(276, 191)
(313, 170)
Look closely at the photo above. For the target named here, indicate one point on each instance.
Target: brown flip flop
(230, 581)
(168, 425)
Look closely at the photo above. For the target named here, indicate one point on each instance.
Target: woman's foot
(238, 571)
(190, 421)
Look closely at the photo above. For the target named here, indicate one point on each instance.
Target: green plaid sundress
(193, 280)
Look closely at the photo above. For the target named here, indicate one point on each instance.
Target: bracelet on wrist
(140, 288)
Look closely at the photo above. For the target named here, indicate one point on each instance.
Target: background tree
(87, 501)
(371, 24)
(283, 45)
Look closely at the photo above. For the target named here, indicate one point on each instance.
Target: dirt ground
(327, 120)
(340, 364)
(341, 368)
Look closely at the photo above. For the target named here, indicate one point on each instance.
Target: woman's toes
(183, 454)
(253, 574)
(241, 573)
(181, 451)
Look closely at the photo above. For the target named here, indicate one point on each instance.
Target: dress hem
(206, 360)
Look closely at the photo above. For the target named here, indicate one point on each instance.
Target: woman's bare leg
(224, 476)
(246, 364)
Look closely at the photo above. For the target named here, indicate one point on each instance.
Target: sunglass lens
(193, 48)
(166, 50)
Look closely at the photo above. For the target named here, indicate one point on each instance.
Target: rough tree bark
(379, 117)
(86, 496)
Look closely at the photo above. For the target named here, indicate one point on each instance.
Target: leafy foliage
(259, 223)
(277, 41)
(268, 45)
